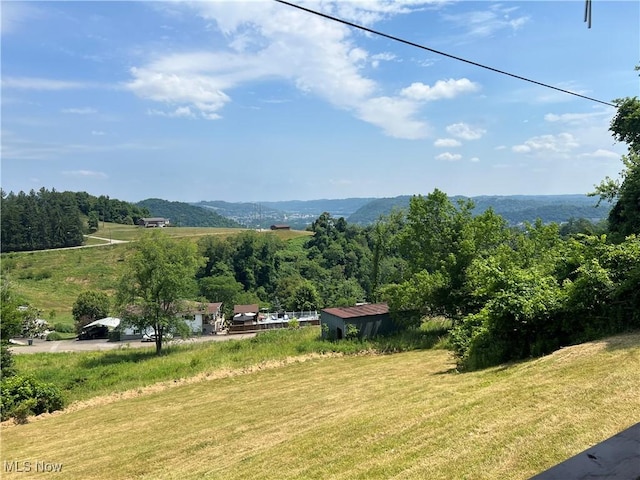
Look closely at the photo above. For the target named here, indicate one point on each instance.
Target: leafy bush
(53, 336)
(63, 328)
(351, 331)
(24, 396)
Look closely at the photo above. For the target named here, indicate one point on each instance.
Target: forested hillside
(186, 215)
(516, 209)
(36, 221)
(51, 219)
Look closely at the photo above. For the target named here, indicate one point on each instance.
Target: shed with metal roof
(369, 319)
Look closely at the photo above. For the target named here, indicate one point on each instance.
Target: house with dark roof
(369, 319)
(245, 315)
(280, 227)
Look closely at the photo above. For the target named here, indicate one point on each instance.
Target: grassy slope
(52, 280)
(399, 416)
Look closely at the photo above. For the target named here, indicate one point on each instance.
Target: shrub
(293, 323)
(24, 396)
(63, 328)
(53, 336)
(351, 331)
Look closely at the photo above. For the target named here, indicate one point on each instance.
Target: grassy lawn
(405, 415)
(84, 375)
(52, 280)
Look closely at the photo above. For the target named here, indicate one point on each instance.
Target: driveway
(42, 346)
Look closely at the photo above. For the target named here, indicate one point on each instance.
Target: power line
(417, 45)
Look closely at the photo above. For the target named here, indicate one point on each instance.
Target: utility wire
(417, 45)
(587, 12)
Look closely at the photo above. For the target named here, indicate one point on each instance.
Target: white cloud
(449, 157)
(446, 143)
(466, 132)
(180, 112)
(200, 91)
(80, 111)
(474, 159)
(442, 89)
(30, 83)
(97, 132)
(560, 143)
(278, 42)
(573, 118)
(484, 23)
(378, 57)
(85, 173)
(601, 153)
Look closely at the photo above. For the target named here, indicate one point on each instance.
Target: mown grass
(131, 232)
(83, 375)
(404, 416)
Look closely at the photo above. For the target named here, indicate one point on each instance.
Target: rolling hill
(186, 215)
(516, 209)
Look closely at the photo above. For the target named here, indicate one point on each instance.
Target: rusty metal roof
(246, 308)
(359, 310)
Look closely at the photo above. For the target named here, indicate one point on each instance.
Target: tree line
(50, 219)
(511, 292)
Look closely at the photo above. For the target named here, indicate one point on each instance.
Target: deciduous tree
(90, 305)
(160, 274)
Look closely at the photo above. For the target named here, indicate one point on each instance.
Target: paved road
(42, 346)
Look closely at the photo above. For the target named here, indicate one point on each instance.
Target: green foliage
(351, 331)
(625, 125)
(542, 293)
(90, 305)
(10, 326)
(159, 277)
(93, 221)
(23, 396)
(304, 297)
(37, 221)
(63, 328)
(55, 336)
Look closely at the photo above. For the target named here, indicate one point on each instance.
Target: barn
(370, 319)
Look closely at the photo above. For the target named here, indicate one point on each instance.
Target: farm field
(405, 415)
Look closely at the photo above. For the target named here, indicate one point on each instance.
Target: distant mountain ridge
(516, 209)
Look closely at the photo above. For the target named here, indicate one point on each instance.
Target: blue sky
(257, 101)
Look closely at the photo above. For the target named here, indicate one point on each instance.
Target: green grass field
(52, 280)
(404, 415)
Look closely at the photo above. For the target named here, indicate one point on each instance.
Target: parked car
(93, 332)
(151, 337)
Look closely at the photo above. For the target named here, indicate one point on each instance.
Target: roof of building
(246, 308)
(111, 322)
(359, 310)
(201, 307)
(154, 219)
